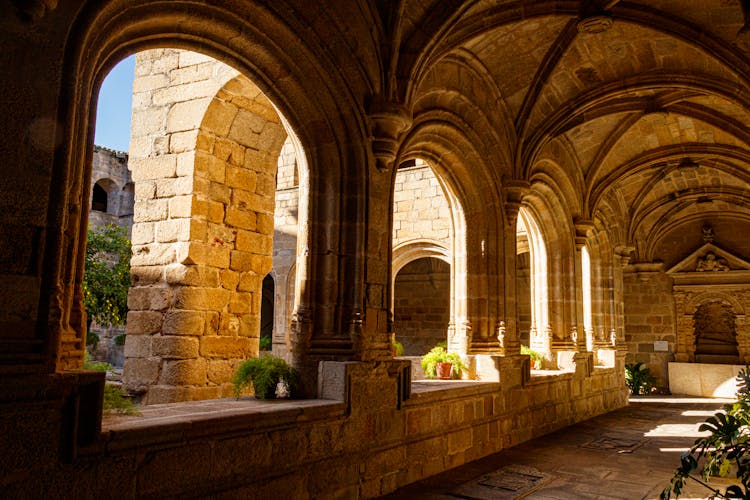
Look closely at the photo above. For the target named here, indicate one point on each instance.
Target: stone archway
(203, 232)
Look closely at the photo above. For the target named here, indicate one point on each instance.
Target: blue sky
(114, 108)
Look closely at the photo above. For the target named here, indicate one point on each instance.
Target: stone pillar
(203, 158)
(508, 336)
(621, 259)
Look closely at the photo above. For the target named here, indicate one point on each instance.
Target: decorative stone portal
(711, 291)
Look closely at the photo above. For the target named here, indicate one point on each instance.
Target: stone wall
(362, 442)
(649, 317)
(421, 309)
(110, 170)
(420, 209)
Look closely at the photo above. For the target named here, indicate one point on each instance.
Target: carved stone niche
(711, 291)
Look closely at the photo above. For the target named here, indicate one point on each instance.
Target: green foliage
(92, 339)
(265, 343)
(115, 401)
(727, 448)
(535, 356)
(263, 374)
(438, 354)
(397, 348)
(90, 364)
(120, 339)
(638, 378)
(106, 277)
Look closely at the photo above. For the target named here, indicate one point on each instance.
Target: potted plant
(441, 364)
(536, 358)
(264, 375)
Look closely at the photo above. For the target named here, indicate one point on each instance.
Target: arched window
(588, 323)
(99, 199)
(532, 276)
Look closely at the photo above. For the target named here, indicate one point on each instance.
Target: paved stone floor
(630, 453)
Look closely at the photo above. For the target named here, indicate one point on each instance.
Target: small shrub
(265, 343)
(638, 378)
(115, 401)
(397, 348)
(264, 374)
(98, 366)
(92, 339)
(438, 354)
(120, 339)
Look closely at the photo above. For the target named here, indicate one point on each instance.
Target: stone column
(621, 259)
(508, 337)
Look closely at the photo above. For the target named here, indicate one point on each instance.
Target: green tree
(106, 277)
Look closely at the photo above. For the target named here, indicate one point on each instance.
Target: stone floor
(627, 454)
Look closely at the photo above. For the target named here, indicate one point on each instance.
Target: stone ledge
(178, 422)
(430, 391)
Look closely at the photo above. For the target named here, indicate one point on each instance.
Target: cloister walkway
(628, 454)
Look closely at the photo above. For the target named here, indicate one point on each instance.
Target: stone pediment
(710, 263)
(710, 258)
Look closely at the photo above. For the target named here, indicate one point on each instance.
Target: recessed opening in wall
(99, 198)
(422, 305)
(205, 149)
(715, 334)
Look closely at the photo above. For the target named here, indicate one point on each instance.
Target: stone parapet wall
(360, 445)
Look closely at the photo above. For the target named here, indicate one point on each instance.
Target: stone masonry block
(225, 347)
(186, 115)
(142, 233)
(184, 322)
(150, 210)
(174, 186)
(205, 299)
(144, 298)
(140, 373)
(240, 177)
(155, 167)
(241, 303)
(173, 230)
(143, 323)
(244, 219)
(246, 261)
(174, 347)
(145, 275)
(138, 346)
(183, 372)
(220, 371)
(248, 241)
(218, 117)
(249, 282)
(180, 206)
(154, 254)
(180, 142)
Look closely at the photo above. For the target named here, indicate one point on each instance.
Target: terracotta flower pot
(443, 370)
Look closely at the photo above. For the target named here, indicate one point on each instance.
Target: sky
(114, 108)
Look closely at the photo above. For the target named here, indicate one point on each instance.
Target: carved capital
(583, 228)
(388, 120)
(514, 191)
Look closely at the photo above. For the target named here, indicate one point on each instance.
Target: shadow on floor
(629, 453)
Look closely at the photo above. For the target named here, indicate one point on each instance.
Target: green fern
(263, 374)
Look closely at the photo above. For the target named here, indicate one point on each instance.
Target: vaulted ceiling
(644, 105)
